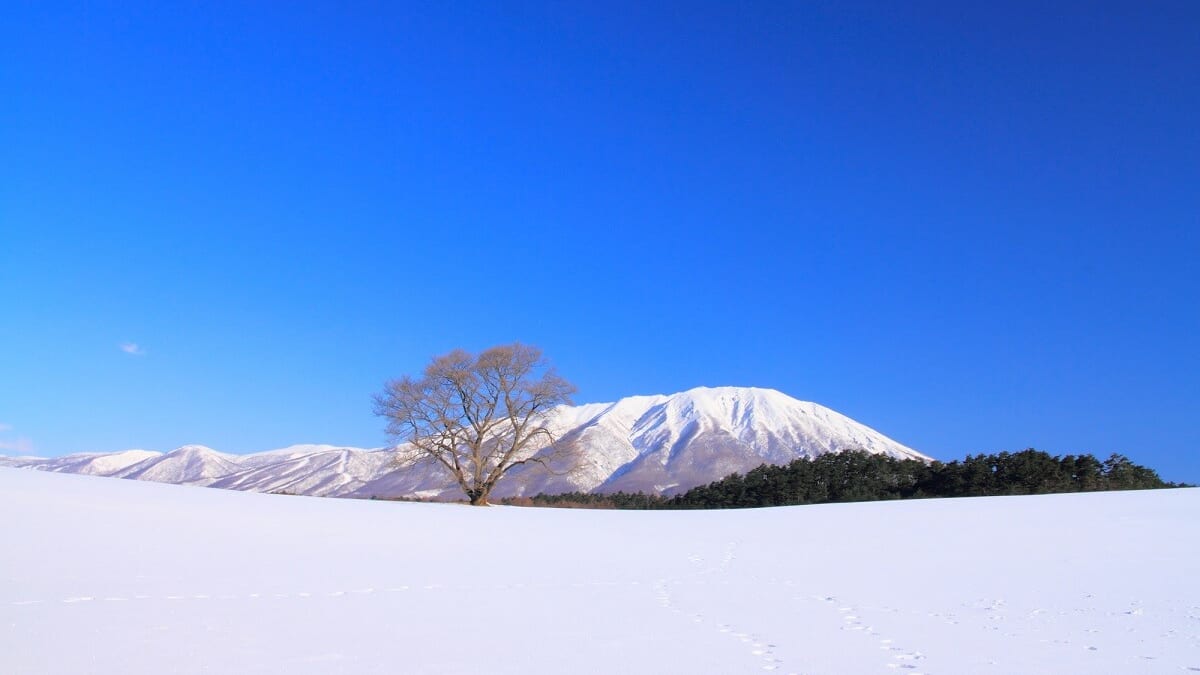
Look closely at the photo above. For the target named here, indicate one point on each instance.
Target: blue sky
(973, 228)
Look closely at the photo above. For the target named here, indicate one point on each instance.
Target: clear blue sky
(972, 227)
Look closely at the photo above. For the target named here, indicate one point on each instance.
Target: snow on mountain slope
(667, 444)
(190, 464)
(319, 471)
(139, 578)
(704, 432)
(91, 463)
(108, 464)
(597, 440)
(662, 444)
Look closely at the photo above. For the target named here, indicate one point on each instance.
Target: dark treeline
(855, 476)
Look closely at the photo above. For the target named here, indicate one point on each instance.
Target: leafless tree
(477, 416)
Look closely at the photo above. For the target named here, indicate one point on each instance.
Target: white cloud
(21, 446)
(132, 348)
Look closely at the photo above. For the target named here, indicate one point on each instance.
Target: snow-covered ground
(110, 576)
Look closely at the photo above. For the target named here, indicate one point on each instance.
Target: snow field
(111, 576)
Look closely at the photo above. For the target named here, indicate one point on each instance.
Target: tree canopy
(855, 475)
(477, 416)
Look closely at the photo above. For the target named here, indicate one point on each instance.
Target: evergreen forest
(856, 475)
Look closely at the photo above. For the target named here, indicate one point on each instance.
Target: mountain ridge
(663, 444)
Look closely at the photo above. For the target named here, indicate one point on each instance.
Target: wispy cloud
(21, 446)
(132, 348)
(5, 427)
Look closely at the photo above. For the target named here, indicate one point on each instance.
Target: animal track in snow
(759, 648)
(729, 557)
(899, 658)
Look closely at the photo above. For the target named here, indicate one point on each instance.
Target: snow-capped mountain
(90, 463)
(191, 464)
(661, 444)
(668, 444)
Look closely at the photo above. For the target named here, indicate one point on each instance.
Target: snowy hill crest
(660, 444)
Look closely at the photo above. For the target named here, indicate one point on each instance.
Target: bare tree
(477, 416)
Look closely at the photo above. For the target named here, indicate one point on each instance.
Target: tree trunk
(478, 497)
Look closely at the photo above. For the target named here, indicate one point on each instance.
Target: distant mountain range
(659, 444)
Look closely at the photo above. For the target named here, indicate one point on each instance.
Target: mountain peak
(193, 449)
(659, 443)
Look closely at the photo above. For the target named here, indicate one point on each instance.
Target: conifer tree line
(856, 475)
